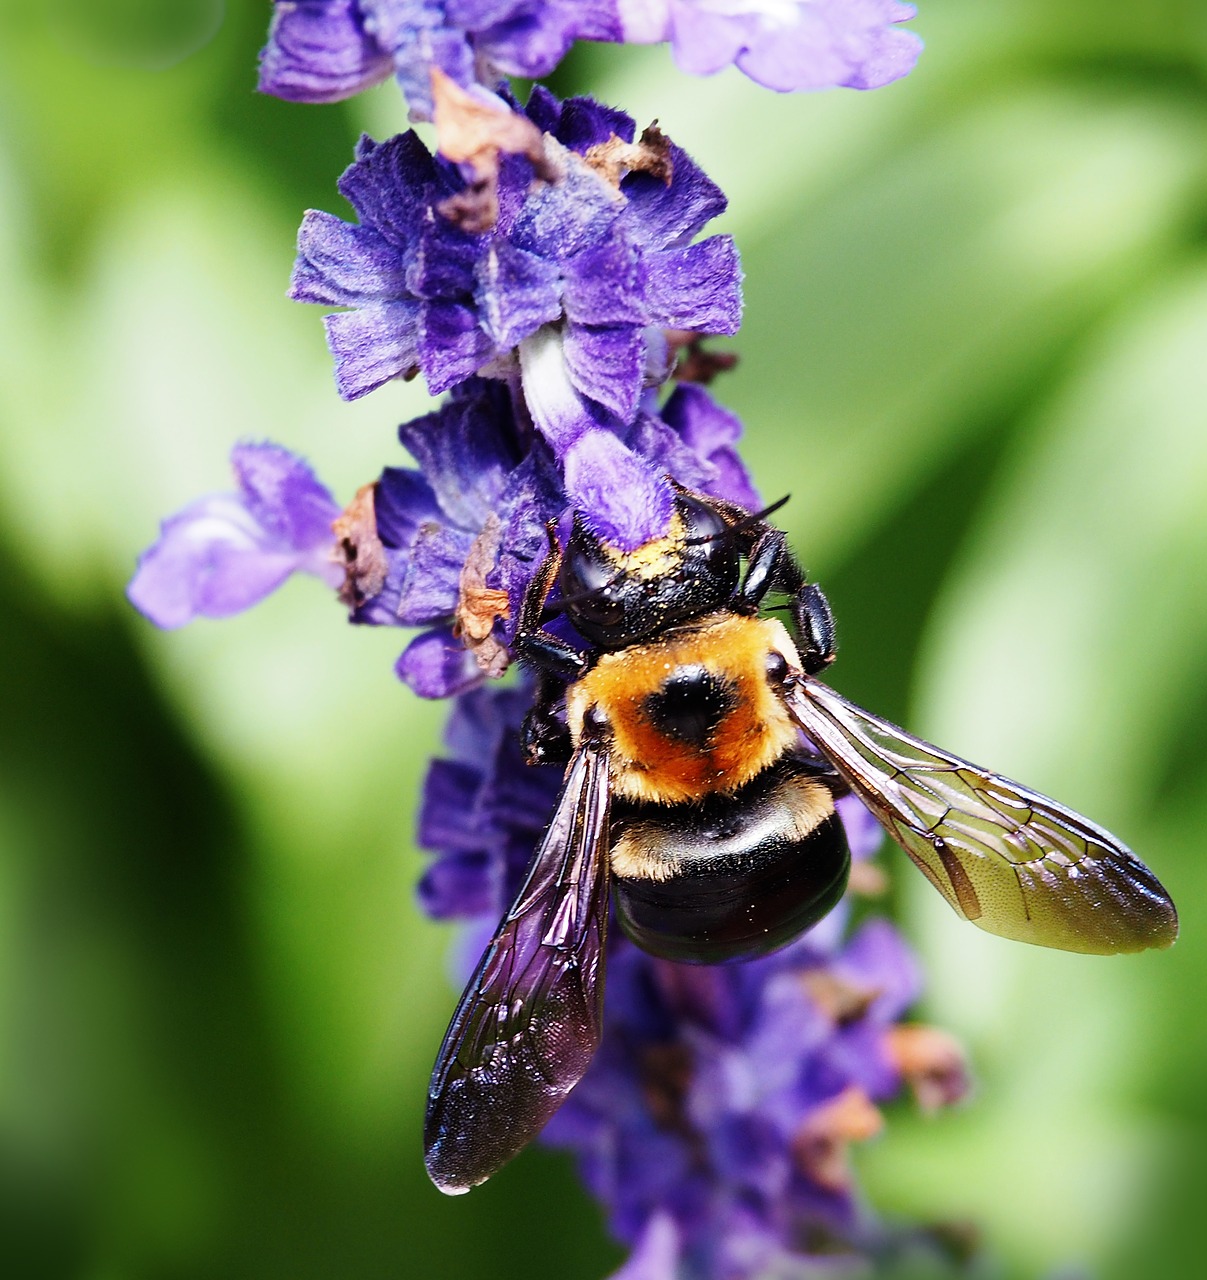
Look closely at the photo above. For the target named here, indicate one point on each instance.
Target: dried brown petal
(932, 1061)
(651, 154)
(472, 132)
(475, 209)
(694, 363)
(867, 879)
(839, 1000)
(359, 549)
(480, 606)
(820, 1147)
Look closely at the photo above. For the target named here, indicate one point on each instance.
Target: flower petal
(319, 51)
(712, 432)
(344, 265)
(697, 288)
(603, 284)
(558, 411)
(517, 292)
(224, 553)
(662, 215)
(453, 345)
(467, 450)
(606, 364)
(388, 186)
(284, 496)
(430, 585)
(372, 345)
(621, 497)
(437, 665)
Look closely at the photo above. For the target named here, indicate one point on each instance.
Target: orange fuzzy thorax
(653, 766)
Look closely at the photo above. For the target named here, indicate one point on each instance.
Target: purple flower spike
(715, 1120)
(783, 44)
(567, 288)
(325, 50)
(228, 551)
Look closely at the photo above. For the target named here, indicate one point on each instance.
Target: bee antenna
(729, 531)
(554, 607)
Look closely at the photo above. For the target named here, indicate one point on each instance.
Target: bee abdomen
(733, 876)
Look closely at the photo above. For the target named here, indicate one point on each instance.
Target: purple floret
(452, 545)
(714, 1120)
(567, 295)
(783, 44)
(228, 551)
(483, 809)
(325, 50)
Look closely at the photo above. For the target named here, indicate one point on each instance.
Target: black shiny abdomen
(747, 881)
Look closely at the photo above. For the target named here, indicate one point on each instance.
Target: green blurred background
(976, 354)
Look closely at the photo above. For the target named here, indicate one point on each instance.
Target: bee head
(615, 598)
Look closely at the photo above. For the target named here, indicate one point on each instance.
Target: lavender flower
(227, 552)
(566, 294)
(325, 50)
(783, 44)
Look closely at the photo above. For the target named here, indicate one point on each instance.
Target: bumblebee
(703, 759)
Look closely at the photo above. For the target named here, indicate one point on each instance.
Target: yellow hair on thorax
(648, 764)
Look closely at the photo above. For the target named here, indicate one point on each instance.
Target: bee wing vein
(529, 1020)
(1007, 858)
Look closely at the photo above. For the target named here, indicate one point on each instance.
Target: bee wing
(529, 1021)
(1010, 860)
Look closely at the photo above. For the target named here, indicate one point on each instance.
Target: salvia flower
(449, 546)
(325, 50)
(226, 552)
(567, 294)
(783, 44)
(546, 270)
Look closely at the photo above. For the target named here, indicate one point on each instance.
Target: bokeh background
(976, 354)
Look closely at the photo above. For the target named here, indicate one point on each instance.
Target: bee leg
(533, 645)
(815, 625)
(544, 738)
(771, 566)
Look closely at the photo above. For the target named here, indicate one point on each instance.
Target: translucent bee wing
(1010, 860)
(529, 1021)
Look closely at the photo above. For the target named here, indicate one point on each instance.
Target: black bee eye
(776, 666)
(600, 609)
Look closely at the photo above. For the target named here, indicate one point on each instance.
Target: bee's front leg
(544, 738)
(771, 566)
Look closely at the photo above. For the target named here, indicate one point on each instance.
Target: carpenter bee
(703, 760)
